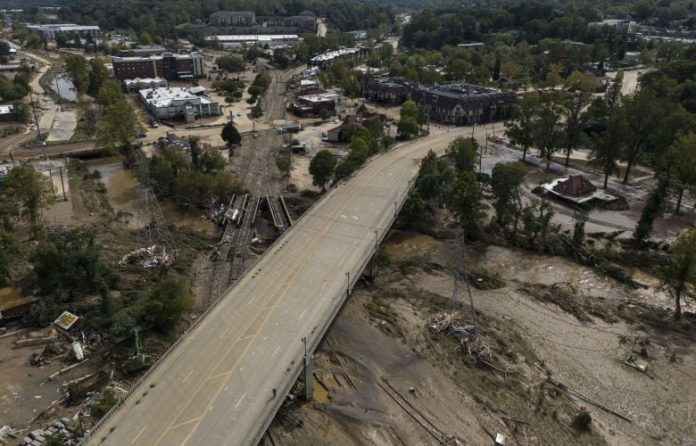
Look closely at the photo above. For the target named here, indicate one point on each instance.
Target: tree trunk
(548, 160)
(629, 164)
(567, 161)
(677, 208)
(677, 306)
(606, 179)
(524, 153)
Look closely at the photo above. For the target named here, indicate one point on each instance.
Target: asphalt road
(217, 385)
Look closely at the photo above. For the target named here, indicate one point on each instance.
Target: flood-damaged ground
(548, 339)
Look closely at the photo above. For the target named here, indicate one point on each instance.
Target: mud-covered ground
(558, 337)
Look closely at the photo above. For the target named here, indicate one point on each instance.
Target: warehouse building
(170, 66)
(272, 40)
(171, 103)
(69, 29)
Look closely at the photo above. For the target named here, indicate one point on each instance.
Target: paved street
(217, 385)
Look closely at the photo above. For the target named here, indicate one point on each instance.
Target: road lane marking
(275, 351)
(240, 401)
(139, 434)
(224, 332)
(183, 424)
(187, 376)
(302, 314)
(283, 291)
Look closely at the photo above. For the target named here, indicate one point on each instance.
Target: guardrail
(141, 381)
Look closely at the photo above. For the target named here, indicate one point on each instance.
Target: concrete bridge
(223, 381)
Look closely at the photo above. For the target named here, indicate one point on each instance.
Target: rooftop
(166, 96)
(334, 54)
(460, 89)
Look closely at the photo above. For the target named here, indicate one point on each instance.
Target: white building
(272, 40)
(178, 103)
(69, 29)
(142, 83)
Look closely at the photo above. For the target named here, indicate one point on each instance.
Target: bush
(582, 421)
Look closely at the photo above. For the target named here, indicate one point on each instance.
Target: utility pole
(60, 101)
(36, 116)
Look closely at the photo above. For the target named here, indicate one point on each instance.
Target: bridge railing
(142, 380)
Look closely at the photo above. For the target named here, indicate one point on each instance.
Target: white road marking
(187, 376)
(139, 434)
(224, 332)
(240, 401)
(302, 315)
(275, 351)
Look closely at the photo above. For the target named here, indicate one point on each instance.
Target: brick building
(172, 67)
(233, 18)
(457, 103)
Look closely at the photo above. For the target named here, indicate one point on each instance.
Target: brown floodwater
(524, 266)
(125, 195)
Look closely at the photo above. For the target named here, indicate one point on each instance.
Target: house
(177, 103)
(360, 118)
(170, 66)
(171, 139)
(576, 189)
(7, 113)
(233, 18)
(312, 105)
(387, 90)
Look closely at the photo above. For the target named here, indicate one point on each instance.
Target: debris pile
(472, 341)
(148, 257)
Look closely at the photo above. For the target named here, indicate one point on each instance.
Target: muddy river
(523, 266)
(126, 196)
(63, 86)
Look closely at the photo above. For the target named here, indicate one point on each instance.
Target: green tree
(230, 63)
(109, 93)
(409, 109)
(231, 135)
(683, 160)
(20, 111)
(642, 113)
(680, 273)
(465, 201)
(652, 210)
(98, 74)
(9, 249)
(322, 168)
(547, 135)
(464, 152)
(606, 147)
(29, 190)
(166, 301)
(520, 129)
(324, 114)
(612, 97)
(407, 127)
(506, 182)
(571, 108)
(77, 68)
(118, 129)
(69, 267)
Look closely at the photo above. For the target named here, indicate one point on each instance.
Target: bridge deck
(216, 385)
